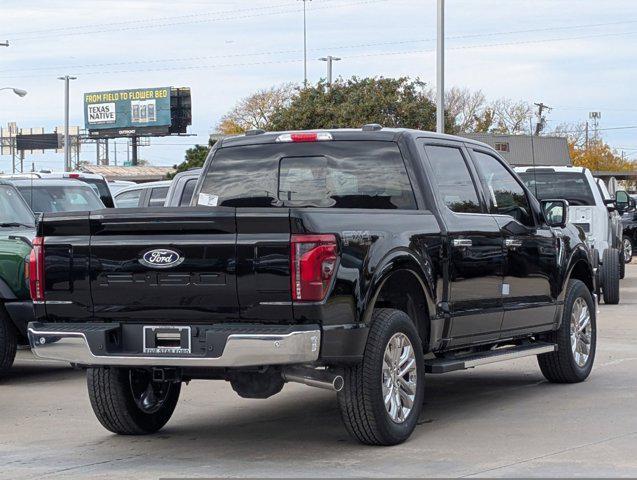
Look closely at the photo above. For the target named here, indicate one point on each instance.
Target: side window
(186, 194)
(453, 179)
(158, 197)
(507, 195)
(128, 199)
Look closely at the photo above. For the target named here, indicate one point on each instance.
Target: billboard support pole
(67, 141)
(134, 149)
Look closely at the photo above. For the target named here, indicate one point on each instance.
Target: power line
(286, 10)
(373, 54)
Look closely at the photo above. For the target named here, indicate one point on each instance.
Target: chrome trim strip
(241, 350)
(509, 356)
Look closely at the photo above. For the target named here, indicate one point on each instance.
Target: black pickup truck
(353, 260)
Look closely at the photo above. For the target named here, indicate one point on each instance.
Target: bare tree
(512, 116)
(465, 108)
(254, 111)
(575, 133)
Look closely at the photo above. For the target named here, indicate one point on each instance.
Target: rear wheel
(610, 274)
(8, 342)
(576, 339)
(382, 397)
(128, 402)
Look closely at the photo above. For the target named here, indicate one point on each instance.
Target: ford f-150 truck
(355, 260)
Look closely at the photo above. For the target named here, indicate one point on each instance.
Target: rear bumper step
(450, 364)
(219, 346)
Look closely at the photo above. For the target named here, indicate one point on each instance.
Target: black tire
(8, 342)
(361, 400)
(561, 366)
(627, 247)
(622, 265)
(610, 276)
(111, 393)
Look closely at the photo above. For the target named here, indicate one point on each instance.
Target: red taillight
(36, 270)
(313, 262)
(74, 175)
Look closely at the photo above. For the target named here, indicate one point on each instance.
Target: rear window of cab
(338, 174)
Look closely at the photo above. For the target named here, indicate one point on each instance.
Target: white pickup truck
(591, 209)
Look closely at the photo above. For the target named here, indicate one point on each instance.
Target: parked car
(182, 188)
(116, 185)
(17, 229)
(353, 260)
(96, 180)
(151, 194)
(590, 211)
(627, 205)
(44, 195)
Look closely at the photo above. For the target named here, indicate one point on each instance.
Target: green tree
(391, 102)
(195, 157)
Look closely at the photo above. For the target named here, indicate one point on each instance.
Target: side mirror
(555, 212)
(622, 200)
(611, 206)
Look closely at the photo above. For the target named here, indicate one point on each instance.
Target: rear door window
(339, 174)
(455, 185)
(186, 194)
(158, 196)
(129, 199)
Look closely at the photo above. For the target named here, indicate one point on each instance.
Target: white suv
(589, 211)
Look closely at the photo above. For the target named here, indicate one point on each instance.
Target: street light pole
(440, 69)
(4, 44)
(18, 91)
(304, 46)
(329, 59)
(67, 142)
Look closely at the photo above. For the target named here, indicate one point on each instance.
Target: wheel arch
(402, 282)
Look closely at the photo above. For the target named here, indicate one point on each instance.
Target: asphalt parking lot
(498, 420)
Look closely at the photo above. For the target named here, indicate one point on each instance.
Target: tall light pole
(304, 46)
(329, 59)
(18, 91)
(440, 69)
(67, 142)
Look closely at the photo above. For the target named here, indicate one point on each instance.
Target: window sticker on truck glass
(207, 199)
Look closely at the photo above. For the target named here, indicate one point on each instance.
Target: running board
(451, 364)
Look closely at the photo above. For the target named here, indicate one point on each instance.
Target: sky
(576, 56)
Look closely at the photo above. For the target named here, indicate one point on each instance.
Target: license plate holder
(167, 340)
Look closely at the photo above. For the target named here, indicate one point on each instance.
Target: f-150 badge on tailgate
(161, 258)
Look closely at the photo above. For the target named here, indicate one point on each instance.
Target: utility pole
(67, 140)
(329, 59)
(440, 69)
(541, 121)
(304, 45)
(586, 141)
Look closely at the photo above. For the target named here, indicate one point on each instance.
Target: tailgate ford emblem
(161, 258)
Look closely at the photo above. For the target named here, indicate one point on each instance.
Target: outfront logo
(161, 258)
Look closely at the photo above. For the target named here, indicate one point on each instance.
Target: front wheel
(576, 338)
(128, 402)
(627, 245)
(383, 395)
(610, 274)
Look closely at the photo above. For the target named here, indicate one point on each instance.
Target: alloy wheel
(628, 249)
(581, 332)
(399, 377)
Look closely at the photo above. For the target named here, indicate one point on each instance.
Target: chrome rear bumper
(59, 342)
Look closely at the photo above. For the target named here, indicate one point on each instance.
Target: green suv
(17, 229)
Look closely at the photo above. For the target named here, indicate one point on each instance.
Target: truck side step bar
(463, 362)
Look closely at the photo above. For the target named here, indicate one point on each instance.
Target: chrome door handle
(512, 243)
(462, 242)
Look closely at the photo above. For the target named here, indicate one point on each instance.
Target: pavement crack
(76, 467)
(547, 455)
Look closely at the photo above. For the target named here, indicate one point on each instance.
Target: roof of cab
(49, 182)
(379, 134)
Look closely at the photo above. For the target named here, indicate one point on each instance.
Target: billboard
(140, 111)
